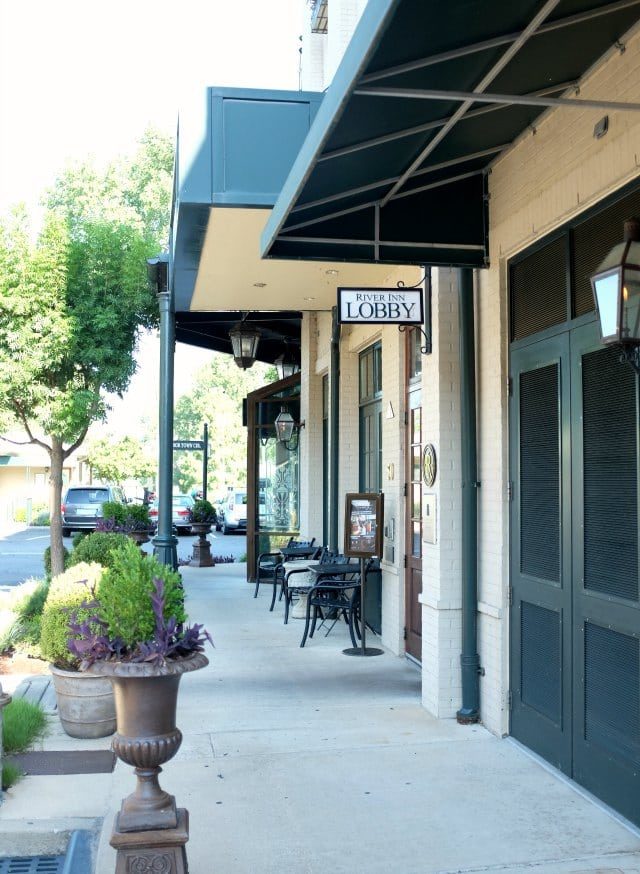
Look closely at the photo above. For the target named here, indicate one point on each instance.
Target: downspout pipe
(334, 430)
(469, 658)
(164, 543)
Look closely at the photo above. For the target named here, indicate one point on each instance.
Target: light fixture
(244, 343)
(287, 430)
(286, 364)
(616, 292)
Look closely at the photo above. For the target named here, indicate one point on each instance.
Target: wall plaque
(429, 465)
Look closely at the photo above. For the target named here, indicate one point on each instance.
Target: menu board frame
(363, 524)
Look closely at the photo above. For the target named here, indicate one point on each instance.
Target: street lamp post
(164, 543)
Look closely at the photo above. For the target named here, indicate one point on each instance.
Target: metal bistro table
(290, 552)
(321, 570)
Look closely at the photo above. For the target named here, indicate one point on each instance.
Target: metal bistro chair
(334, 598)
(270, 566)
(295, 581)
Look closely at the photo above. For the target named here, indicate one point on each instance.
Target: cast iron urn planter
(146, 737)
(201, 547)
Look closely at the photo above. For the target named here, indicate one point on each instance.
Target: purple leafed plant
(171, 640)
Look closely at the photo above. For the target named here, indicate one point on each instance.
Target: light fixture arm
(631, 355)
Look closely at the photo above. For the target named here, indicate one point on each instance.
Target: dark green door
(606, 614)
(540, 550)
(575, 617)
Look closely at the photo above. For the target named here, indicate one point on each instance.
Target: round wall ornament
(429, 465)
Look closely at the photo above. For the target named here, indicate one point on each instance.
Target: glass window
(371, 419)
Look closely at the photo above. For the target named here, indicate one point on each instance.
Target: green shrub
(68, 591)
(10, 776)
(137, 516)
(125, 590)
(78, 537)
(203, 511)
(20, 514)
(41, 518)
(114, 510)
(47, 560)
(97, 547)
(20, 628)
(23, 723)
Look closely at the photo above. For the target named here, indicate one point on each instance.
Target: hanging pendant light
(244, 343)
(286, 364)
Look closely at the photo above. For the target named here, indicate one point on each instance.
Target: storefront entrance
(575, 608)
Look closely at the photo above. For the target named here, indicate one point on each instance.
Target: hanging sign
(380, 306)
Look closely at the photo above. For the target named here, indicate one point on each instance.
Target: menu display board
(363, 524)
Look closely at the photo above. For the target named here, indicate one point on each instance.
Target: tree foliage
(72, 302)
(118, 460)
(216, 398)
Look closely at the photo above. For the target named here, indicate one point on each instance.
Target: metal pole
(363, 649)
(164, 543)
(205, 460)
(469, 658)
(334, 430)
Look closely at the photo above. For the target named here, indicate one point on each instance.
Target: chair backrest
(329, 557)
(301, 543)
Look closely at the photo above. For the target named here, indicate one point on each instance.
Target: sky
(81, 78)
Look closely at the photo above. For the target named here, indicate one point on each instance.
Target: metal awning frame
(392, 188)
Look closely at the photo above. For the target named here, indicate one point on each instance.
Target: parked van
(82, 506)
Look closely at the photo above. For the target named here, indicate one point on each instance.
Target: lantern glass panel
(284, 426)
(631, 305)
(606, 289)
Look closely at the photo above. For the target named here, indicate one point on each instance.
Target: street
(22, 550)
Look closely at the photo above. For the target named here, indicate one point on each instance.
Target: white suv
(234, 511)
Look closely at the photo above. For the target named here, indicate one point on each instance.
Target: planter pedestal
(201, 547)
(158, 850)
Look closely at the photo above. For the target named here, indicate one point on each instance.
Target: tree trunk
(56, 454)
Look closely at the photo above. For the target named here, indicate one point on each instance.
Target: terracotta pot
(85, 703)
(147, 736)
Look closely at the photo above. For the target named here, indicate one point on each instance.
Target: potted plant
(130, 519)
(136, 636)
(85, 703)
(203, 516)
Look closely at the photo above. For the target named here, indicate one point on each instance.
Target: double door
(575, 618)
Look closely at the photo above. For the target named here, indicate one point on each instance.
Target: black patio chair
(268, 563)
(334, 598)
(289, 589)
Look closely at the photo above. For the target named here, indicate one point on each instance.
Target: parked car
(82, 506)
(180, 516)
(232, 512)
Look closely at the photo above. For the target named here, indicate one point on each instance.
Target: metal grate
(610, 475)
(540, 660)
(612, 689)
(540, 474)
(592, 239)
(539, 290)
(32, 865)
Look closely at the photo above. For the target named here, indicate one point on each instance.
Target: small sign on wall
(429, 518)
(380, 306)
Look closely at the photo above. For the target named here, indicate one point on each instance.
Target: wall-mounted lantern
(616, 291)
(287, 429)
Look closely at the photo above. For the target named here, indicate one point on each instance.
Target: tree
(71, 307)
(216, 398)
(116, 461)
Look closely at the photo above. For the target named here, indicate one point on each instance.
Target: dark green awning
(429, 93)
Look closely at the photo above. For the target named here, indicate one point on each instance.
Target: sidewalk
(301, 761)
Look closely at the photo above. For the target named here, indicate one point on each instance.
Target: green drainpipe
(334, 430)
(469, 659)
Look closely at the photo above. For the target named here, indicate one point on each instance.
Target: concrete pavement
(300, 761)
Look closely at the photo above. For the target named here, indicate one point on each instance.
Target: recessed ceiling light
(331, 272)
(309, 298)
(259, 284)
